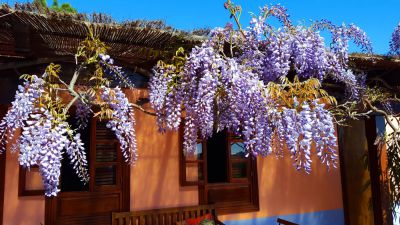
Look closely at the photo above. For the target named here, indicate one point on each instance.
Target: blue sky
(377, 17)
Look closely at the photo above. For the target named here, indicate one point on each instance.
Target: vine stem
(75, 77)
(235, 18)
(71, 87)
(70, 104)
(394, 128)
(136, 106)
(77, 96)
(239, 25)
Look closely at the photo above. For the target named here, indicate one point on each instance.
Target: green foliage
(87, 60)
(41, 3)
(207, 222)
(88, 54)
(55, 4)
(67, 8)
(90, 49)
(64, 8)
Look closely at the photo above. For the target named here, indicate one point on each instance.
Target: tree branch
(375, 109)
(136, 106)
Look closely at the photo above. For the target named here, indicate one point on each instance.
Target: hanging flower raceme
(395, 41)
(42, 143)
(324, 135)
(42, 107)
(165, 100)
(76, 153)
(122, 121)
(23, 105)
(44, 137)
(83, 113)
(114, 72)
(238, 81)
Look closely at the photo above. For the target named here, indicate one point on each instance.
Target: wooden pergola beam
(39, 61)
(34, 62)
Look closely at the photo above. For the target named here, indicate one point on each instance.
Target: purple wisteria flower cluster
(41, 111)
(113, 71)
(161, 95)
(23, 105)
(122, 121)
(225, 84)
(274, 52)
(44, 137)
(41, 143)
(82, 114)
(395, 41)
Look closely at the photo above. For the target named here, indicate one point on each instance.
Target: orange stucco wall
(155, 177)
(19, 210)
(155, 182)
(284, 191)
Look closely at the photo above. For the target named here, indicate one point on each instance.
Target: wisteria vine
(262, 84)
(41, 114)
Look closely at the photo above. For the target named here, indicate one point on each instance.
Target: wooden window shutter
(106, 157)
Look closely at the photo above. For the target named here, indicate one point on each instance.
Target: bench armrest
(217, 222)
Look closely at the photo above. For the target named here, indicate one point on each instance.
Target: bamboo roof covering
(378, 67)
(28, 32)
(33, 35)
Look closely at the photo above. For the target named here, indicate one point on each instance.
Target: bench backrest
(168, 216)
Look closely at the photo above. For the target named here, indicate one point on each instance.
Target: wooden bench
(167, 216)
(285, 222)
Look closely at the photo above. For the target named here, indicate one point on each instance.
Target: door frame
(3, 111)
(2, 184)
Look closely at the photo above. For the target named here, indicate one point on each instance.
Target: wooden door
(230, 176)
(108, 188)
(3, 111)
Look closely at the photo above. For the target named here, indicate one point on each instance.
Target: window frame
(251, 181)
(232, 160)
(23, 174)
(183, 161)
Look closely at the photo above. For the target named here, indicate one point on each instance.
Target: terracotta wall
(282, 189)
(19, 210)
(155, 177)
(285, 191)
(155, 182)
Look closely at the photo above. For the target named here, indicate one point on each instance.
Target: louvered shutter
(106, 163)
